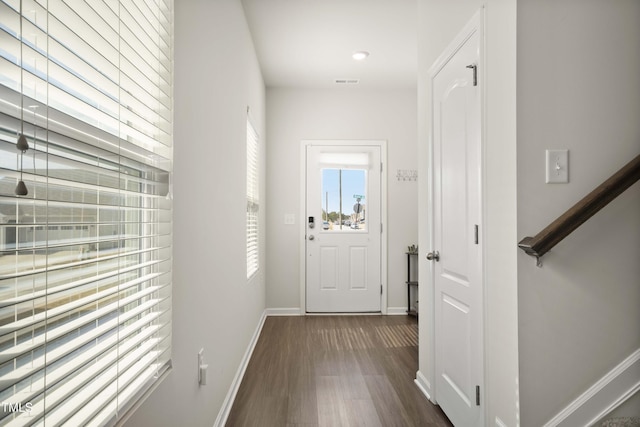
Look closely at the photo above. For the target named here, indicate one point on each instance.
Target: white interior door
(457, 223)
(343, 228)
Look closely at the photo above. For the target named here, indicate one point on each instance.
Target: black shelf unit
(411, 256)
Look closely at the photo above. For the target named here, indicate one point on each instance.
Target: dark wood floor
(334, 371)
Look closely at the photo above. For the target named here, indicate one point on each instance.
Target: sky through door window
(344, 191)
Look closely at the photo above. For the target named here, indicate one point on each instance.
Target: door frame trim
(382, 144)
(428, 383)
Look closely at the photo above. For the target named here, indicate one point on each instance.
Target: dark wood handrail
(583, 210)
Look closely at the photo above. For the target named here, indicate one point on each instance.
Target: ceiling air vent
(347, 81)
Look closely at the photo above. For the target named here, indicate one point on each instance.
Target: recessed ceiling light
(360, 55)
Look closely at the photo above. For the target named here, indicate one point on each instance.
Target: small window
(344, 200)
(253, 201)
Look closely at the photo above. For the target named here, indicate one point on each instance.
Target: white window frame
(253, 200)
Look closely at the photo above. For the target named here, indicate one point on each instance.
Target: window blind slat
(43, 312)
(45, 264)
(61, 331)
(72, 281)
(59, 353)
(84, 367)
(91, 381)
(85, 256)
(91, 410)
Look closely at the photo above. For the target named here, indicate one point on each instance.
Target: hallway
(332, 371)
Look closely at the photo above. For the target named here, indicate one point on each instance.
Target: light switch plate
(557, 166)
(289, 219)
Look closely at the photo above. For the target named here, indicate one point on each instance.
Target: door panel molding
(358, 262)
(328, 268)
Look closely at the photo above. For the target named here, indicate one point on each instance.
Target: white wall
(216, 78)
(439, 22)
(346, 113)
(578, 88)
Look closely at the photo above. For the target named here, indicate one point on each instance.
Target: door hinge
(381, 289)
(476, 233)
(380, 227)
(477, 395)
(380, 167)
(474, 67)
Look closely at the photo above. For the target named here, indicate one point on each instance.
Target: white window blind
(253, 200)
(85, 256)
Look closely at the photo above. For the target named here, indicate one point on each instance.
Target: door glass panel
(344, 200)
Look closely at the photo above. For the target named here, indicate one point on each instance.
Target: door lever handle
(435, 255)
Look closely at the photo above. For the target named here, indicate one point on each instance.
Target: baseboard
(283, 312)
(603, 397)
(223, 415)
(391, 311)
(425, 386)
(396, 311)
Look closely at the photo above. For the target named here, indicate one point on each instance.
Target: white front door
(343, 228)
(457, 265)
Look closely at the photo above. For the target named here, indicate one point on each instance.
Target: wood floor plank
(353, 387)
(303, 407)
(387, 403)
(399, 365)
(334, 370)
(332, 409)
(362, 412)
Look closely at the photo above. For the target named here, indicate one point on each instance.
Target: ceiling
(309, 43)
